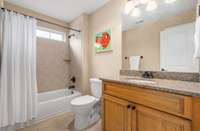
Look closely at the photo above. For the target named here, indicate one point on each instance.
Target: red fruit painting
(103, 41)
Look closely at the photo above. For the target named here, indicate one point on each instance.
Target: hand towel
(134, 62)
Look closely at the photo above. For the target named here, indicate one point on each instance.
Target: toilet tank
(96, 87)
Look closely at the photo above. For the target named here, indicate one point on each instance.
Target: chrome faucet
(147, 74)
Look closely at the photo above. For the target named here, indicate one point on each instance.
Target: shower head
(70, 36)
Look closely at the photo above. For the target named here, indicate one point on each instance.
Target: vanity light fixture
(152, 5)
(129, 6)
(136, 12)
(133, 6)
(169, 1)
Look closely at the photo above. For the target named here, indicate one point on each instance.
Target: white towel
(134, 62)
(197, 39)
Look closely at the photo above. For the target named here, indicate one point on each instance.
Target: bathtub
(55, 102)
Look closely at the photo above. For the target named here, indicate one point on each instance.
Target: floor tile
(63, 122)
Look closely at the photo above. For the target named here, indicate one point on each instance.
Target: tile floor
(60, 123)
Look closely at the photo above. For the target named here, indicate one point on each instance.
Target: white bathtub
(55, 102)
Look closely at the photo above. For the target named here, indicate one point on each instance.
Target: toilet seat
(83, 100)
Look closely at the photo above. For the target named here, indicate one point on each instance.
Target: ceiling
(65, 10)
(163, 10)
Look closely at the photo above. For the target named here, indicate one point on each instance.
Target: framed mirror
(158, 35)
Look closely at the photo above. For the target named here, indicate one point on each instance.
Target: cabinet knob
(133, 108)
(129, 106)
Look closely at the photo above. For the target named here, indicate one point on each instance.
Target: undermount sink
(141, 81)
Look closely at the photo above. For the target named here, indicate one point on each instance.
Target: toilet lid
(83, 100)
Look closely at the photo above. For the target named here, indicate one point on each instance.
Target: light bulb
(144, 1)
(128, 7)
(170, 1)
(136, 12)
(152, 5)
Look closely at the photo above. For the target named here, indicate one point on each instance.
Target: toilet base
(86, 115)
(84, 121)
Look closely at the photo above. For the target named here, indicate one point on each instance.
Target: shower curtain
(18, 88)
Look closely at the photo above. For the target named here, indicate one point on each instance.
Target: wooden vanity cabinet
(120, 115)
(117, 114)
(128, 114)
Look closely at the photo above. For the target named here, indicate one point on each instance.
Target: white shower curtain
(18, 88)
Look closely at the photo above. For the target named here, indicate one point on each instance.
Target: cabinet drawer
(171, 103)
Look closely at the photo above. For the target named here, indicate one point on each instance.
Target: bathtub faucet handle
(71, 87)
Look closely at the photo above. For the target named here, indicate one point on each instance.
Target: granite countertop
(171, 86)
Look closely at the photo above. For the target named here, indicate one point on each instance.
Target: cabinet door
(116, 114)
(152, 120)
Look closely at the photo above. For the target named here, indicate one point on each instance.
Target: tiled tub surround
(182, 76)
(52, 71)
(171, 86)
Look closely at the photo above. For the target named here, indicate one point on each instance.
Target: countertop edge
(154, 87)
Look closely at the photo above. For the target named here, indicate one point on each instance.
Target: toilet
(87, 108)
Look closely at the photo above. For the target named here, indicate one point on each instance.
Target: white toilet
(87, 108)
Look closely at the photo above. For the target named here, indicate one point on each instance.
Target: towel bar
(126, 57)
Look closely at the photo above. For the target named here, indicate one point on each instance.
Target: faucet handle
(150, 74)
(71, 87)
(147, 74)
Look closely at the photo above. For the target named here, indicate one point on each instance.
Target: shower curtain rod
(69, 28)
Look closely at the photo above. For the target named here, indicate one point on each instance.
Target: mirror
(159, 36)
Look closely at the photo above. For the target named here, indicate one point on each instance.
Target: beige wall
(79, 54)
(29, 12)
(107, 64)
(145, 40)
(1, 3)
(84, 60)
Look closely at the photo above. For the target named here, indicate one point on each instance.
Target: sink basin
(141, 81)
